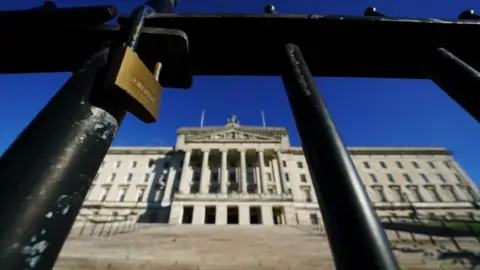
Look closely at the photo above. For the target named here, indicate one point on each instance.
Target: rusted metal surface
(48, 170)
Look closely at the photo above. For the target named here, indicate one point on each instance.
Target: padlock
(132, 82)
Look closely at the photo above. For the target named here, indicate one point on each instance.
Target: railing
(108, 226)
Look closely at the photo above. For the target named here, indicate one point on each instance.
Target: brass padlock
(130, 80)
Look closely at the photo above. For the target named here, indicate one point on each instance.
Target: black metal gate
(47, 171)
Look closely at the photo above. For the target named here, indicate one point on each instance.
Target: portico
(227, 171)
(232, 160)
(231, 174)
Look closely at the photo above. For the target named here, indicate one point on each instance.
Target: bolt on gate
(116, 69)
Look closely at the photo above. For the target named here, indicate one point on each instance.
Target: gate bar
(457, 79)
(356, 237)
(46, 173)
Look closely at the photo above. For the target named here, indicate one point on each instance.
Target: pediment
(231, 135)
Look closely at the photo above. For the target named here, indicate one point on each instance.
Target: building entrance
(255, 215)
(232, 215)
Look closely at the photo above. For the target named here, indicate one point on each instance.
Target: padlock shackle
(162, 6)
(140, 13)
(136, 24)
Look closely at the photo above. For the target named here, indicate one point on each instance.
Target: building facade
(235, 174)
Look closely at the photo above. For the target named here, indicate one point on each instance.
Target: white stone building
(236, 174)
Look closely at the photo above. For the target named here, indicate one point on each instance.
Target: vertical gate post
(46, 173)
(356, 237)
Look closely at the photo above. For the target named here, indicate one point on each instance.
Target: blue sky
(368, 112)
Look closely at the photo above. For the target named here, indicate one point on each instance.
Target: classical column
(224, 172)
(167, 194)
(184, 183)
(261, 163)
(243, 171)
(281, 170)
(205, 179)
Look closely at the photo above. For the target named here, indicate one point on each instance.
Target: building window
(129, 177)
(451, 193)
(112, 177)
(447, 164)
(373, 178)
(470, 193)
(196, 177)
(314, 219)
(214, 177)
(134, 164)
(166, 165)
(424, 177)
(441, 178)
(232, 164)
(181, 164)
(415, 194)
(250, 178)
(270, 191)
(380, 194)
(284, 163)
(303, 178)
(399, 164)
(269, 176)
(366, 165)
(117, 164)
(103, 195)
(390, 178)
(407, 178)
(121, 194)
(300, 165)
(397, 192)
(140, 193)
(383, 164)
(232, 178)
(459, 180)
(434, 194)
(146, 177)
(431, 165)
(287, 177)
(249, 165)
(195, 188)
(308, 196)
(415, 164)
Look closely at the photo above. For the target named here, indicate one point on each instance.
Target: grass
(457, 225)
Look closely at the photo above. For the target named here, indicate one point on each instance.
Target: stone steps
(241, 247)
